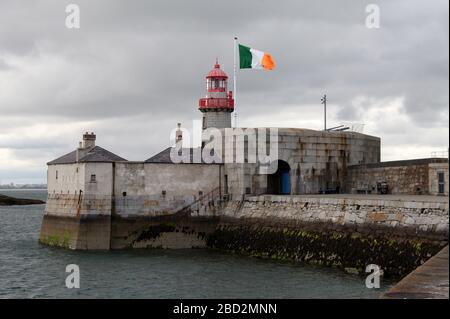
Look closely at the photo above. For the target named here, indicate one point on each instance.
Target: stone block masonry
(396, 233)
(217, 119)
(420, 177)
(413, 216)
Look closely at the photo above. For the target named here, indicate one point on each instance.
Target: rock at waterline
(9, 201)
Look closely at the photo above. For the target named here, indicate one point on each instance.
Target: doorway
(279, 183)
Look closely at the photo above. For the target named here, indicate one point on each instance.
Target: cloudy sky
(135, 68)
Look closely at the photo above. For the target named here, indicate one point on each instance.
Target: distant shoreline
(23, 189)
(11, 201)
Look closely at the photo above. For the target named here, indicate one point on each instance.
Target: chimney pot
(89, 140)
(179, 134)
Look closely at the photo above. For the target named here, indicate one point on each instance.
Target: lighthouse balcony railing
(215, 103)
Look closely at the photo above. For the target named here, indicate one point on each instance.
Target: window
(56, 174)
(93, 178)
(441, 184)
(226, 184)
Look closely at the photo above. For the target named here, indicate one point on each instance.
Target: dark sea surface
(31, 270)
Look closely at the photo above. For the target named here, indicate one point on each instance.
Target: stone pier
(429, 281)
(398, 233)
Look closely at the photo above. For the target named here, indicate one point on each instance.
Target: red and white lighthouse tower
(218, 104)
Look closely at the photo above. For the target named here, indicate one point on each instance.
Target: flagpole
(234, 82)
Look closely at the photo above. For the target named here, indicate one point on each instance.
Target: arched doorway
(280, 181)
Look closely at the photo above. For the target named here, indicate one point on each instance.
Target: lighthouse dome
(217, 72)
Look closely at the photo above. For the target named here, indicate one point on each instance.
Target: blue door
(285, 183)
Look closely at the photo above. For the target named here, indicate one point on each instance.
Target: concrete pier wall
(429, 281)
(398, 233)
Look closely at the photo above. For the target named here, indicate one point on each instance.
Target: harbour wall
(398, 233)
(396, 216)
(350, 232)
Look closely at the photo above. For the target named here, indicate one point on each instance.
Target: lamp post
(324, 102)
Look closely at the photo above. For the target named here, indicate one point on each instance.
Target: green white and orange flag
(253, 59)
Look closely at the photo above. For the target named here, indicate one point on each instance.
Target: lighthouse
(218, 104)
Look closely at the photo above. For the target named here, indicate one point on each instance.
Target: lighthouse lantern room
(218, 104)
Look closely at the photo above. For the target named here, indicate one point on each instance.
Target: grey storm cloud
(136, 68)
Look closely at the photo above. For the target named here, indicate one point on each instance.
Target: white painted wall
(75, 177)
(70, 179)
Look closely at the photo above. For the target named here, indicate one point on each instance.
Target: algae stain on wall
(343, 250)
(56, 240)
(168, 235)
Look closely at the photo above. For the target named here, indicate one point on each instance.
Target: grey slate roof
(96, 154)
(161, 157)
(164, 157)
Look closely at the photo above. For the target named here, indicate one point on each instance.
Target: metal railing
(215, 103)
(439, 154)
(208, 199)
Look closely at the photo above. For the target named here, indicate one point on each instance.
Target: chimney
(88, 140)
(85, 146)
(179, 134)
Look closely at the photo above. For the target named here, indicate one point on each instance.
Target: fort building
(99, 200)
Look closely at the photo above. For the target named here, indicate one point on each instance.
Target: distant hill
(9, 201)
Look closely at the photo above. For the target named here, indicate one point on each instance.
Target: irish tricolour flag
(253, 59)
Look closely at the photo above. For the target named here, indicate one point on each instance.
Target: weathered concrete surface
(153, 189)
(84, 232)
(429, 281)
